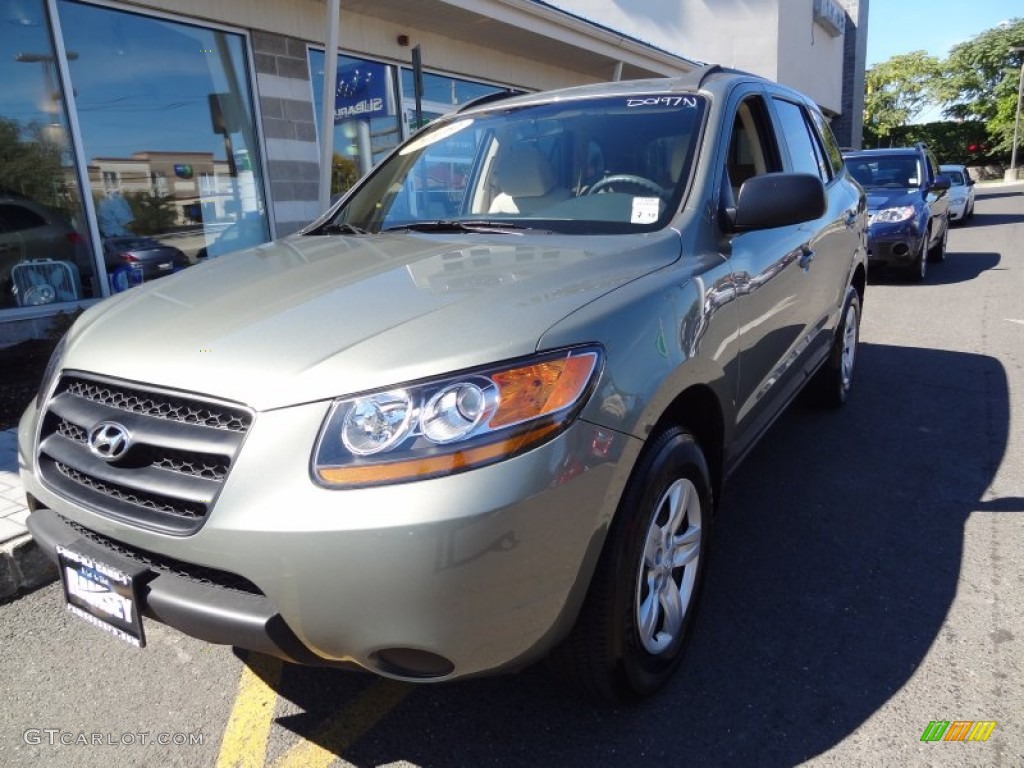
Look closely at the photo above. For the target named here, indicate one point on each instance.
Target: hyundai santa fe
(478, 414)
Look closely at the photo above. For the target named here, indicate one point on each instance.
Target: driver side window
(752, 148)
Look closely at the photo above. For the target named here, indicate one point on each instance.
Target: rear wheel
(832, 383)
(636, 618)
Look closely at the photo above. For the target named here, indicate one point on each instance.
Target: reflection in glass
(45, 256)
(366, 123)
(442, 94)
(507, 168)
(166, 120)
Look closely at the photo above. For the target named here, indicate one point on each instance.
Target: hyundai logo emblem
(109, 440)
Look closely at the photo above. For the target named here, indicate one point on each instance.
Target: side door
(938, 199)
(835, 238)
(769, 279)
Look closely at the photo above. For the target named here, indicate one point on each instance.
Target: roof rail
(487, 98)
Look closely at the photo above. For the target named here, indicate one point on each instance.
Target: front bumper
(437, 579)
(896, 245)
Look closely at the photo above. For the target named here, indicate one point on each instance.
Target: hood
(313, 317)
(892, 198)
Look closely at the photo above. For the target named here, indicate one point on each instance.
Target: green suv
(478, 414)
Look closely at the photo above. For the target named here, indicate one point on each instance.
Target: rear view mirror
(778, 200)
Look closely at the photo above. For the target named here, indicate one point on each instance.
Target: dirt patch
(21, 370)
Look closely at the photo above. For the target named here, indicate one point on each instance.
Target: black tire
(918, 269)
(608, 654)
(830, 387)
(937, 253)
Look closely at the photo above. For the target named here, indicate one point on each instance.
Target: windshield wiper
(339, 229)
(464, 225)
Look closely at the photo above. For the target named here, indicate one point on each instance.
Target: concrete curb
(23, 567)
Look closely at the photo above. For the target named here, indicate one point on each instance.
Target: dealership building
(171, 131)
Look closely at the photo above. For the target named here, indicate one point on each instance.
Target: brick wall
(289, 129)
(848, 126)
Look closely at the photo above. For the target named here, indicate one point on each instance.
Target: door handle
(806, 257)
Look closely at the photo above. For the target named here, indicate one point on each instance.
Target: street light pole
(1016, 115)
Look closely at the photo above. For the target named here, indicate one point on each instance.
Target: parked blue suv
(908, 207)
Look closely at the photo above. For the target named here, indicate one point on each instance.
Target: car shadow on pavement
(981, 192)
(959, 267)
(981, 219)
(836, 559)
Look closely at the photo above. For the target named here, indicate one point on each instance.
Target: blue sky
(935, 26)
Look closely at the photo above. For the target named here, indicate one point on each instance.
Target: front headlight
(453, 423)
(892, 215)
(957, 200)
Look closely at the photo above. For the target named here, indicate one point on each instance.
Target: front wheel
(636, 619)
(918, 269)
(937, 253)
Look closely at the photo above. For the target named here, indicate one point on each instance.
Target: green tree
(980, 80)
(898, 90)
(30, 164)
(153, 214)
(344, 173)
(952, 141)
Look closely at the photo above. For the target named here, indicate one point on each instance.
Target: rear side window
(807, 154)
(832, 151)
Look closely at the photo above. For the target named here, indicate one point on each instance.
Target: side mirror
(778, 200)
(940, 183)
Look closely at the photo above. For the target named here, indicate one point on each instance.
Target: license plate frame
(103, 590)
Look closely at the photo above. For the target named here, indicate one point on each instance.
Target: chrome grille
(162, 406)
(139, 499)
(181, 451)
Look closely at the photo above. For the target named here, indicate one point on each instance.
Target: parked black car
(908, 207)
(155, 258)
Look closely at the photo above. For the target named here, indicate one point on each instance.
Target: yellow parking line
(344, 729)
(248, 729)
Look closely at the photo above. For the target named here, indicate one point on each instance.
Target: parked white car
(961, 192)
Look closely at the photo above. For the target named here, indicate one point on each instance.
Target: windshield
(956, 178)
(889, 171)
(597, 166)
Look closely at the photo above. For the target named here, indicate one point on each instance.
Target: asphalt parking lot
(865, 582)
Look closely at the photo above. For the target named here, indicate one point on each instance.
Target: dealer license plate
(105, 595)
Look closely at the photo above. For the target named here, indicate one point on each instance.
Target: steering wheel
(628, 180)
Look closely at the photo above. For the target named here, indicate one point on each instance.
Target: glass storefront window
(366, 125)
(167, 128)
(441, 95)
(45, 255)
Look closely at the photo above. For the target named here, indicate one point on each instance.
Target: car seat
(526, 181)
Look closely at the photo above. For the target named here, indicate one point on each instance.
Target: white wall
(774, 38)
(810, 59)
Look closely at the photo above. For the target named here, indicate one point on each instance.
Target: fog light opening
(900, 249)
(412, 663)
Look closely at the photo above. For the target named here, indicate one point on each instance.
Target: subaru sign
(361, 92)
